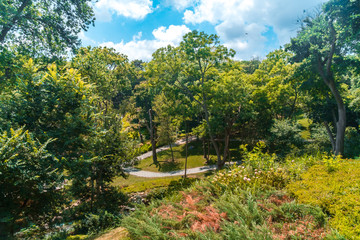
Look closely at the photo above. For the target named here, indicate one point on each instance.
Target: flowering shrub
(247, 177)
(296, 166)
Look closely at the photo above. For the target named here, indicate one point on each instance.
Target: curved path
(148, 174)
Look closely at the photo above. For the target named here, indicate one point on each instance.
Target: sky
(253, 28)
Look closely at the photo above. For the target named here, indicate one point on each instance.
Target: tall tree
(318, 46)
(203, 54)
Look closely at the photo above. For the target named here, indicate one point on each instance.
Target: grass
(305, 123)
(195, 159)
(141, 184)
(115, 234)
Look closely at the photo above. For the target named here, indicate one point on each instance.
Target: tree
(203, 54)
(47, 26)
(168, 124)
(229, 104)
(318, 46)
(50, 104)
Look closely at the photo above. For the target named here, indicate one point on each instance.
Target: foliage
(168, 124)
(94, 223)
(252, 179)
(109, 74)
(352, 143)
(331, 162)
(51, 104)
(285, 137)
(201, 212)
(256, 158)
(335, 192)
(295, 166)
(30, 180)
(44, 27)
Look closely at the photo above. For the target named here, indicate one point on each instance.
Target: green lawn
(195, 159)
(140, 184)
(305, 123)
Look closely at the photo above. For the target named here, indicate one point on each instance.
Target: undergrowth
(336, 191)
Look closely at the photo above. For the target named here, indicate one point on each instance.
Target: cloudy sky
(252, 28)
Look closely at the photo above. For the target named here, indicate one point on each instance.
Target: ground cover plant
(336, 191)
(204, 212)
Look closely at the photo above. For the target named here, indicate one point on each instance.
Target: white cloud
(135, 9)
(180, 4)
(143, 49)
(241, 23)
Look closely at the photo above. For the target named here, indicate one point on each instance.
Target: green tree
(45, 27)
(30, 181)
(108, 72)
(168, 123)
(202, 54)
(51, 104)
(229, 104)
(318, 46)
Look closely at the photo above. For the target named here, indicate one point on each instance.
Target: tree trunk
(331, 136)
(152, 138)
(186, 149)
(328, 77)
(341, 120)
(208, 151)
(226, 146)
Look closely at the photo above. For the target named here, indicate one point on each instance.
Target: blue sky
(252, 28)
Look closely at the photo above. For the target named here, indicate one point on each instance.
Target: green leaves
(29, 177)
(44, 27)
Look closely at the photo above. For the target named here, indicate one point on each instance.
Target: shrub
(285, 137)
(249, 178)
(295, 166)
(336, 192)
(257, 158)
(94, 223)
(319, 140)
(202, 212)
(30, 179)
(352, 143)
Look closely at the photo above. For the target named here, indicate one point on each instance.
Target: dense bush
(50, 104)
(285, 137)
(337, 192)
(98, 222)
(352, 143)
(257, 158)
(30, 181)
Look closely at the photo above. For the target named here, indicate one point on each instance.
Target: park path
(148, 174)
(163, 148)
(141, 173)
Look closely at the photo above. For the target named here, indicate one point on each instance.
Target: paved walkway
(148, 174)
(163, 148)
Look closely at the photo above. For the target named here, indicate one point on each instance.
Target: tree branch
(7, 27)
